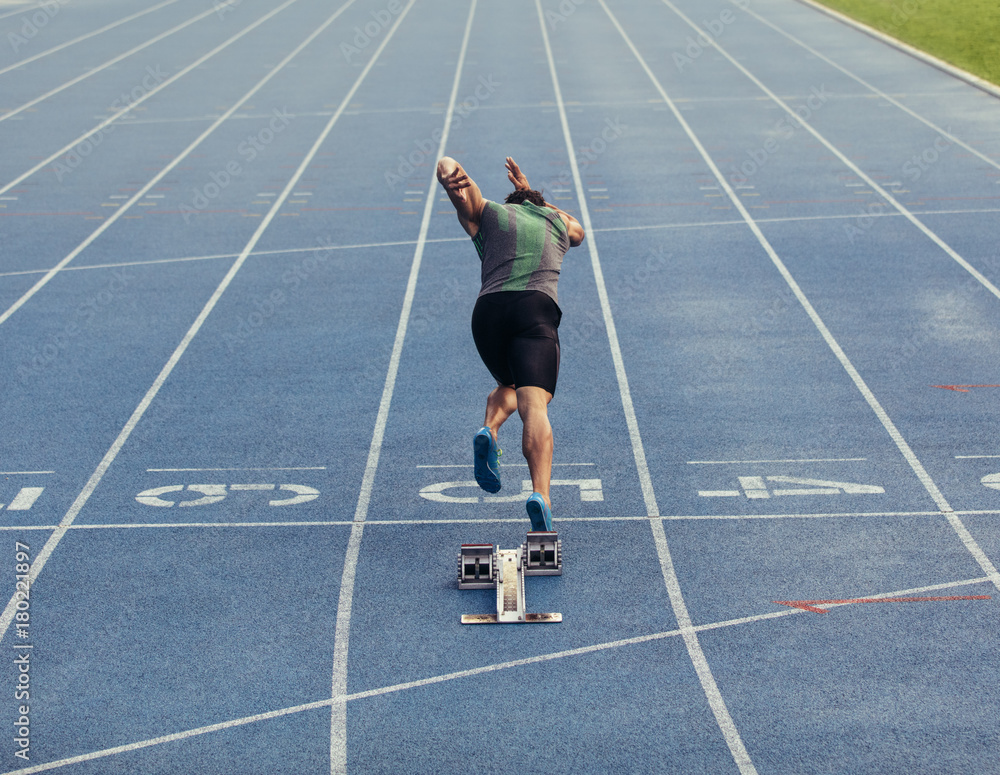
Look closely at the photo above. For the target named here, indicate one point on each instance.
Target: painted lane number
(755, 487)
(213, 493)
(24, 499)
(590, 490)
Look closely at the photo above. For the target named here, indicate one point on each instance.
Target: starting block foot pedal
(483, 566)
(542, 553)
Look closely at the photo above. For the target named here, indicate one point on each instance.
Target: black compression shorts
(516, 333)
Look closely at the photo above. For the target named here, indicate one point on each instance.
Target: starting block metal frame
(484, 566)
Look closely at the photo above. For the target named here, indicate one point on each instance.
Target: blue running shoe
(539, 513)
(486, 454)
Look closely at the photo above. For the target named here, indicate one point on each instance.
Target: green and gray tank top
(521, 248)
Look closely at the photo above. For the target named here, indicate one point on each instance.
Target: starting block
(483, 566)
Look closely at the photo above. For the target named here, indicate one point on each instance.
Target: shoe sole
(485, 478)
(536, 513)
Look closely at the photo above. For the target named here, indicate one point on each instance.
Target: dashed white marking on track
(82, 38)
(25, 498)
(789, 460)
(27, 106)
(921, 473)
(289, 468)
(113, 218)
(42, 557)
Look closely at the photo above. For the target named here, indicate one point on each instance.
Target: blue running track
(239, 392)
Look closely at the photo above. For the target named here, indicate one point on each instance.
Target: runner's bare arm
(463, 193)
(520, 181)
(515, 176)
(573, 227)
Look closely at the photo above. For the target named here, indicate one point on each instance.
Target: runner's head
(522, 195)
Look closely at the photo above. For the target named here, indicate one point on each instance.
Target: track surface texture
(240, 390)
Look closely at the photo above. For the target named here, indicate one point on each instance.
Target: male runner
(521, 245)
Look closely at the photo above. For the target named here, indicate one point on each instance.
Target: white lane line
(211, 525)
(105, 66)
(338, 711)
(925, 479)
(709, 686)
(843, 158)
(84, 37)
(801, 460)
(281, 252)
(923, 56)
(496, 520)
(461, 674)
(791, 219)
(154, 181)
(109, 457)
(145, 96)
(640, 639)
(803, 300)
(26, 8)
(505, 465)
(291, 468)
(874, 89)
(172, 738)
(437, 240)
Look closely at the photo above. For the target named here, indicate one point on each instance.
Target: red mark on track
(810, 605)
(963, 388)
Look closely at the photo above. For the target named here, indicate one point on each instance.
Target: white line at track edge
(713, 695)
(109, 63)
(86, 36)
(458, 675)
(878, 92)
(957, 525)
(42, 557)
(962, 532)
(118, 213)
(338, 708)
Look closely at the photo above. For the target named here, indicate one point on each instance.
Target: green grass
(965, 33)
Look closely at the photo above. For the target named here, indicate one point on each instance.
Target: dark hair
(525, 194)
